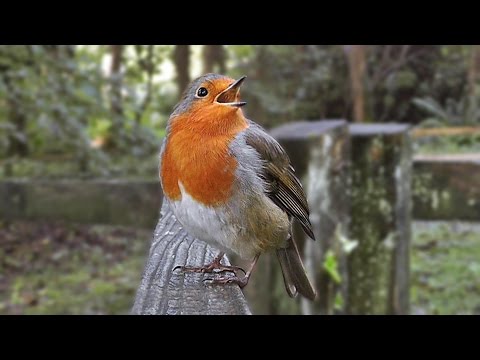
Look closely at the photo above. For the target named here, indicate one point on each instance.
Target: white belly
(257, 225)
(205, 223)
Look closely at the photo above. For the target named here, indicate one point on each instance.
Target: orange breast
(197, 155)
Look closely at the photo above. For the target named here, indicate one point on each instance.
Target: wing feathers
(283, 187)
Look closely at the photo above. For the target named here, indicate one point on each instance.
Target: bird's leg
(214, 266)
(242, 282)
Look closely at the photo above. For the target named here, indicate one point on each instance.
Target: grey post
(165, 292)
(320, 153)
(378, 268)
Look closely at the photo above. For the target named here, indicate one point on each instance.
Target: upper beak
(229, 95)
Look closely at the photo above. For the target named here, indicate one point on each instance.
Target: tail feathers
(294, 275)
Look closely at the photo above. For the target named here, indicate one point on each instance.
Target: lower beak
(229, 95)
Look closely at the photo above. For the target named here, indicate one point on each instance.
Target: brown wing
(284, 188)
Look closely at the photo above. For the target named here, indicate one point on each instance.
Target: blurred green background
(99, 112)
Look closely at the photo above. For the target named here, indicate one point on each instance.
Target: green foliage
(449, 101)
(338, 304)
(395, 75)
(445, 266)
(330, 264)
(64, 100)
(453, 113)
(312, 82)
(146, 103)
(454, 144)
(294, 82)
(44, 86)
(56, 99)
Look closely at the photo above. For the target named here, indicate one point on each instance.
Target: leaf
(432, 107)
(330, 265)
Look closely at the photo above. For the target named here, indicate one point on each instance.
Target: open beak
(229, 95)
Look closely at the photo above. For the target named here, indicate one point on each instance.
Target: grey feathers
(282, 186)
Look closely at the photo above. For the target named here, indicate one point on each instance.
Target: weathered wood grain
(164, 292)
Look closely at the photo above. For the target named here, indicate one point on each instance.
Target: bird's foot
(224, 280)
(240, 281)
(215, 267)
(211, 268)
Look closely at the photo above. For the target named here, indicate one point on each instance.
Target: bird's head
(210, 99)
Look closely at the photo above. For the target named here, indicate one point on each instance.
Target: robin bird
(231, 184)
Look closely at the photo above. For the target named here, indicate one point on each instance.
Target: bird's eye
(202, 92)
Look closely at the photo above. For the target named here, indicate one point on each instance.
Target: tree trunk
(116, 104)
(472, 78)
(116, 90)
(357, 68)
(258, 74)
(214, 59)
(149, 68)
(181, 59)
(16, 116)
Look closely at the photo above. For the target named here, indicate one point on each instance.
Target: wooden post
(446, 187)
(165, 292)
(378, 268)
(82, 201)
(319, 152)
